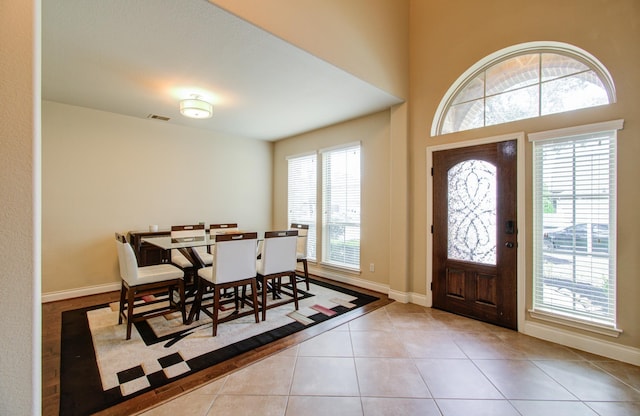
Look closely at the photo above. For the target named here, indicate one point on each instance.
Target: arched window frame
(513, 51)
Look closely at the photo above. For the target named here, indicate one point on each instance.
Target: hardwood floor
(51, 328)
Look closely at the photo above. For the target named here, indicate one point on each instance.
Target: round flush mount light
(196, 107)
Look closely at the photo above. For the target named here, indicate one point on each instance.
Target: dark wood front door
(475, 232)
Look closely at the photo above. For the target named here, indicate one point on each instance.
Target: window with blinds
(341, 206)
(575, 223)
(302, 196)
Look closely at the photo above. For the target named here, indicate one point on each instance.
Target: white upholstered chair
(144, 281)
(301, 248)
(234, 266)
(277, 259)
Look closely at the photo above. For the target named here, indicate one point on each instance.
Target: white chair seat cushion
(156, 273)
(206, 273)
(180, 260)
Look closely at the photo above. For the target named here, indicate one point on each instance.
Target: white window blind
(341, 207)
(575, 223)
(302, 196)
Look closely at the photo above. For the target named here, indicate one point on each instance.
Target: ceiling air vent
(157, 117)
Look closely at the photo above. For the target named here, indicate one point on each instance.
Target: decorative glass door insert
(472, 212)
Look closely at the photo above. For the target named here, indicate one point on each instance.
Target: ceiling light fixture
(195, 107)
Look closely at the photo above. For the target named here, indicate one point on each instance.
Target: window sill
(352, 270)
(575, 323)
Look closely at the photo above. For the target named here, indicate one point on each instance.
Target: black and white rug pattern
(99, 368)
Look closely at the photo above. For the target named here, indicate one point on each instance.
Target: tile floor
(404, 360)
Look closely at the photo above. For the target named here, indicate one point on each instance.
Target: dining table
(186, 246)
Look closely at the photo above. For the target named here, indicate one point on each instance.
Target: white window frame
(548, 312)
(294, 200)
(327, 222)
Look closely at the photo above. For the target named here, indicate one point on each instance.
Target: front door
(475, 232)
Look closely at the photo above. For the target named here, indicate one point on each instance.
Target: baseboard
(352, 280)
(76, 293)
(582, 342)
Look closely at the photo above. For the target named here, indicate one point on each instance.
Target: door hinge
(431, 286)
(431, 171)
(431, 229)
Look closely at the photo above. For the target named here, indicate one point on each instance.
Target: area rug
(99, 368)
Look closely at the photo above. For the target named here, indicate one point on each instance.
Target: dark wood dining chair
(139, 282)
(234, 266)
(277, 260)
(301, 249)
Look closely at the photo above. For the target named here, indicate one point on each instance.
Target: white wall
(104, 172)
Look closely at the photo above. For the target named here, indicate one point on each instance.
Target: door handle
(509, 244)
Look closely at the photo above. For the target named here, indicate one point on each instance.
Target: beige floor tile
(330, 344)
(398, 307)
(415, 321)
(487, 347)
(476, 408)
(537, 349)
(377, 320)
(390, 377)
(422, 344)
(378, 406)
(518, 379)
(188, 404)
(325, 376)
(377, 344)
(627, 373)
(588, 382)
(616, 408)
(247, 406)
(456, 379)
(324, 406)
(548, 408)
(271, 376)
(211, 388)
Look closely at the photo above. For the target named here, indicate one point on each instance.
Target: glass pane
(556, 66)
(514, 105)
(513, 73)
(472, 212)
(569, 93)
(473, 90)
(464, 116)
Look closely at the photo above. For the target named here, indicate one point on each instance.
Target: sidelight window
(575, 224)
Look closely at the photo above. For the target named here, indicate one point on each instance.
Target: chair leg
(306, 272)
(292, 277)
(123, 292)
(130, 300)
(183, 307)
(254, 297)
(264, 299)
(216, 306)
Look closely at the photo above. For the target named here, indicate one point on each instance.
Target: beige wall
(104, 172)
(374, 135)
(20, 392)
(368, 38)
(449, 37)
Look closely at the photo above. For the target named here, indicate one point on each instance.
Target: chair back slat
(187, 231)
(279, 252)
(234, 257)
(215, 229)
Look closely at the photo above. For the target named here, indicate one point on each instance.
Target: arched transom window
(524, 81)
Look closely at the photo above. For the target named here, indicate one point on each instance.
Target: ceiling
(142, 57)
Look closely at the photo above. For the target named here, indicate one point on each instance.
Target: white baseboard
(582, 342)
(352, 280)
(76, 293)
